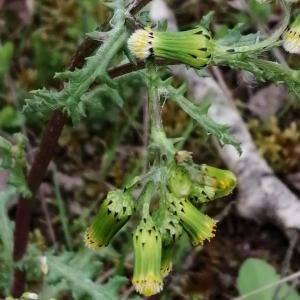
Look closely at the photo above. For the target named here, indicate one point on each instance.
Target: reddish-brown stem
(38, 170)
(139, 5)
(45, 154)
(35, 176)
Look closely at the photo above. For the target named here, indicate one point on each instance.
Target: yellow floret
(291, 41)
(90, 241)
(140, 43)
(149, 286)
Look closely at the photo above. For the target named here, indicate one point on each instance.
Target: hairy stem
(153, 100)
(264, 70)
(157, 134)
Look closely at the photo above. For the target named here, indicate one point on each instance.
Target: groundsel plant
(174, 181)
(174, 188)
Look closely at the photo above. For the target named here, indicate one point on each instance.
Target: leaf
(77, 82)
(207, 19)
(200, 114)
(255, 274)
(265, 70)
(77, 270)
(234, 37)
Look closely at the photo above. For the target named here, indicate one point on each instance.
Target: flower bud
(113, 213)
(179, 182)
(198, 226)
(291, 37)
(193, 47)
(213, 183)
(147, 246)
(223, 181)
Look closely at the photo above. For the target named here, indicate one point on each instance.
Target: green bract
(179, 183)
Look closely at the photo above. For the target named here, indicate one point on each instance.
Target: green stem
(153, 101)
(264, 70)
(157, 134)
(262, 45)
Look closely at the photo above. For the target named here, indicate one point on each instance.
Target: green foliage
(246, 44)
(200, 115)
(10, 118)
(6, 53)
(265, 70)
(259, 10)
(255, 274)
(74, 272)
(13, 160)
(47, 60)
(6, 242)
(234, 36)
(73, 99)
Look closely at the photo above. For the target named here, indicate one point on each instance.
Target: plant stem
(157, 134)
(264, 70)
(36, 174)
(41, 162)
(140, 4)
(153, 100)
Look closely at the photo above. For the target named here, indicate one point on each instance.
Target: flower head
(213, 183)
(198, 226)
(223, 181)
(140, 43)
(193, 47)
(147, 246)
(291, 37)
(113, 213)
